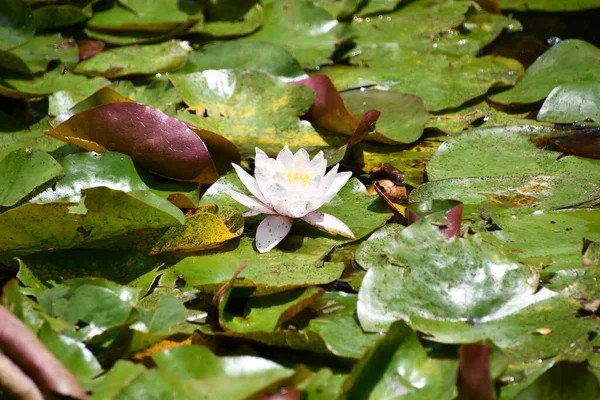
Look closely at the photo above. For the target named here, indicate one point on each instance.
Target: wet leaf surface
(568, 62)
(497, 285)
(147, 286)
(304, 29)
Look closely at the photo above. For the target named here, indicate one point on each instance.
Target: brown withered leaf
(328, 110)
(581, 142)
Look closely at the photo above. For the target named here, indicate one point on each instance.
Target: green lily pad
(248, 54)
(398, 367)
(454, 121)
(79, 360)
(340, 9)
(115, 171)
(34, 56)
(159, 94)
(403, 116)
(146, 15)
(548, 5)
(541, 192)
(126, 38)
(323, 385)
(329, 327)
(137, 60)
(79, 87)
(17, 24)
(440, 81)
(54, 16)
(251, 109)
(122, 267)
(505, 151)
(268, 313)
(304, 29)
(570, 61)
(371, 251)
(230, 18)
(101, 213)
(457, 280)
(98, 304)
(551, 238)
(379, 6)
(25, 173)
(212, 377)
(517, 335)
(32, 137)
(411, 24)
(563, 380)
(572, 103)
(110, 384)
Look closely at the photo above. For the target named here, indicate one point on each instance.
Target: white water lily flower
(292, 186)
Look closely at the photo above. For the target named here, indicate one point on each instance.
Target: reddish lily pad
(161, 143)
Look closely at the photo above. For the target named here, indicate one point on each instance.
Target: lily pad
(550, 238)
(516, 335)
(153, 139)
(570, 61)
(121, 267)
(209, 227)
(101, 213)
(32, 137)
(440, 81)
(572, 103)
(268, 313)
(371, 251)
(146, 15)
(21, 87)
(548, 5)
(329, 327)
(340, 9)
(304, 29)
(403, 116)
(251, 109)
(17, 24)
(213, 377)
(115, 171)
(230, 18)
(34, 56)
(398, 367)
(505, 151)
(79, 360)
(54, 16)
(379, 6)
(249, 54)
(474, 281)
(540, 192)
(25, 173)
(137, 60)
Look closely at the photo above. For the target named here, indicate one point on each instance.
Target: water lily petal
(250, 183)
(271, 231)
(298, 209)
(256, 206)
(286, 157)
(329, 223)
(338, 182)
(318, 164)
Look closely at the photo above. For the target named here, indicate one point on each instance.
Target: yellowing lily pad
(252, 109)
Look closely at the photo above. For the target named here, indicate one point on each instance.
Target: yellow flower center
(293, 175)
